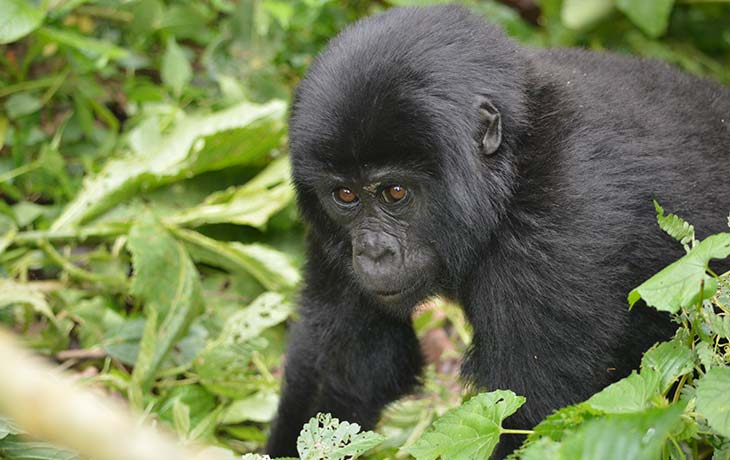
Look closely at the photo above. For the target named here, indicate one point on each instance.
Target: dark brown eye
(345, 195)
(394, 193)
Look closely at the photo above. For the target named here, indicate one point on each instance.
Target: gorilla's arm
(345, 357)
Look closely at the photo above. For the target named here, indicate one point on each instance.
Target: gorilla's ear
(491, 127)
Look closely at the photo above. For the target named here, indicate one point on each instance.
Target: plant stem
(19, 170)
(506, 431)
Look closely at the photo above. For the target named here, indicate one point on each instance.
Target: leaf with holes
(326, 438)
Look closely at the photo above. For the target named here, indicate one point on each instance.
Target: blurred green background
(148, 236)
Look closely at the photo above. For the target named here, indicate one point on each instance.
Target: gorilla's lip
(396, 293)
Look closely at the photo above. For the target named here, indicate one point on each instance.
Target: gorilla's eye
(394, 193)
(344, 195)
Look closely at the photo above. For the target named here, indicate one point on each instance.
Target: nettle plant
(676, 406)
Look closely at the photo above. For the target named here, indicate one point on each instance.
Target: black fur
(539, 242)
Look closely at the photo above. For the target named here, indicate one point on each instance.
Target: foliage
(148, 239)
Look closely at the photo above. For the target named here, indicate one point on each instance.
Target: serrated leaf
(251, 204)
(713, 399)
(580, 14)
(720, 325)
(167, 281)
(556, 425)
(678, 285)
(674, 226)
(637, 436)
(542, 449)
(239, 135)
(670, 360)
(630, 394)
(651, 16)
(326, 438)
(18, 18)
(469, 431)
(175, 70)
(272, 268)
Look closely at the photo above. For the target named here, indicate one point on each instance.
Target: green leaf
(630, 394)
(675, 226)
(651, 16)
(638, 436)
(326, 438)
(175, 70)
(167, 281)
(21, 104)
(8, 427)
(88, 46)
(469, 431)
(720, 325)
(670, 360)
(18, 18)
(252, 204)
(12, 292)
(259, 408)
(580, 14)
(556, 425)
(239, 135)
(713, 399)
(270, 267)
(26, 450)
(542, 449)
(679, 284)
(267, 310)
(224, 368)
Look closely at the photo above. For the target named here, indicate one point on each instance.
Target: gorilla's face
(384, 210)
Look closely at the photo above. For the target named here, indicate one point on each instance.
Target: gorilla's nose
(376, 257)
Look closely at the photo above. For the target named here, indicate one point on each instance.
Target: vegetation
(149, 240)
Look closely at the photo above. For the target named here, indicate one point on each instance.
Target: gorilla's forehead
(368, 130)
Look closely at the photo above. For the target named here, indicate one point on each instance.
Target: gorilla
(432, 155)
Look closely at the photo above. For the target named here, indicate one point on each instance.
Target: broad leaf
(259, 408)
(8, 427)
(166, 280)
(18, 18)
(267, 310)
(630, 394)
(679, 284)
(12, 292)
(580, 14)
(638, 436)
(326, 438)
(713, 399)
(241, 134)
(251, 204)
(89, 46)
(670, 360)
(469, 431)
(556, 425)
(272, 268)
(25, 450)
(651, 16)
(175, 71)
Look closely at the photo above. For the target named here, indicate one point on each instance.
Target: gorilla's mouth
(395, 294)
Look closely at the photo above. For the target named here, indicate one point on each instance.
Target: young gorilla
(432, 155)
